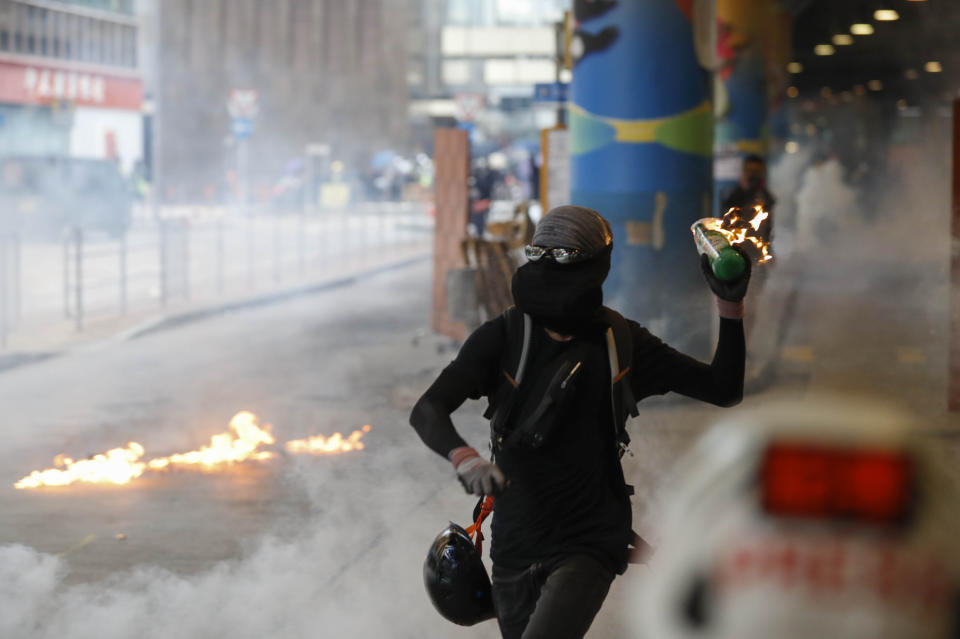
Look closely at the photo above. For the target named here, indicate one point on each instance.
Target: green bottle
(727, 263)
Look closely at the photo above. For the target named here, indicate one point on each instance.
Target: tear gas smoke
(331, 577)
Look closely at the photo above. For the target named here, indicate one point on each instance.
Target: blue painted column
(641, 137)
(742, 96)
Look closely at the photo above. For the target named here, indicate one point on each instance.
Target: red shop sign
(36, 84)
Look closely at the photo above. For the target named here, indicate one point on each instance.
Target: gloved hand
(478, 476)
(728, 291)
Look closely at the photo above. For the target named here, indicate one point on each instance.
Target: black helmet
(456, 579)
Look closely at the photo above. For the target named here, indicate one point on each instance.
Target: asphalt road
(304, 546)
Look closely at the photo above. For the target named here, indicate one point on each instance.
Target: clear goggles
(557, 254)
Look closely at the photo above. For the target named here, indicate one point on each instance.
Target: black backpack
(517, 351)
(622, 402)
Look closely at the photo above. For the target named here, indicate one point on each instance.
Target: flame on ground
(738, 229)
(123, 465)
(225, 448)
(116, 466)
(336, 443)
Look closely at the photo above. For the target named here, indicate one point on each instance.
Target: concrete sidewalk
(43, 340)
(87, 285)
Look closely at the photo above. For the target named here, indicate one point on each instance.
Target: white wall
(88, 137)
(456, 72)
(498, 41)
(523, 72)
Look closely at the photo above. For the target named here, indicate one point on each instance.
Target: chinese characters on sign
(42, 84)
(48, 84)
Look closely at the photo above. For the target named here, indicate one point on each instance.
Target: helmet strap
(485, 507)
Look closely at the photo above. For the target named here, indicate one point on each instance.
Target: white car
(818, 520)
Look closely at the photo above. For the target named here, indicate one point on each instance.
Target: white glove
(478, 476)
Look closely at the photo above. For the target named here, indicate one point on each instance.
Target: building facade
(69, 80)
(327, 73)
(477, 61)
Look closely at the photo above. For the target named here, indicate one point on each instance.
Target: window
(104, 31)
(69, 31)
(83, 37)
(132, 36)
(92, 29)
(117, 6)
(29, 24)
(17, 27)
(42, 29)
(128, 45)
(54, 32)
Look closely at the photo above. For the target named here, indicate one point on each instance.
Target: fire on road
(242, 443)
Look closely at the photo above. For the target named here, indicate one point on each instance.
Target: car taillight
(802, 480)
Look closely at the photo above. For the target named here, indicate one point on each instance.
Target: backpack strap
(525, 349)
(620, 354)
(519, 330)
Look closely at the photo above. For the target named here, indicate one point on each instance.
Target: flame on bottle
(739, 229)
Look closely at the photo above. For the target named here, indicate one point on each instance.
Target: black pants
(550, 600)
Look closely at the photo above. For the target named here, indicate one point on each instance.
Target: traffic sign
(551, 92)
(469, 105)
(242, 128)
(243, 103)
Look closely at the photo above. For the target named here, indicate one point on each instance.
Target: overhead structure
(890, 54)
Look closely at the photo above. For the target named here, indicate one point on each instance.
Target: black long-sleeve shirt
(568, 496)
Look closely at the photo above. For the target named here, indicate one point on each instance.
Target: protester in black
(561, 523)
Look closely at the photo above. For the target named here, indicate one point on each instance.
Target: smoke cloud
(348, 567)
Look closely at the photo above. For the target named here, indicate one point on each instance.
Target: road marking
(77, 546)
(911, 355)
(801, 354)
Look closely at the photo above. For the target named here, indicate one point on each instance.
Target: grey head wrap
(575, 227)
(567, 298)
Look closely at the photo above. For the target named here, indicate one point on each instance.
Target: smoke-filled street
(300, 543)
(493, 319)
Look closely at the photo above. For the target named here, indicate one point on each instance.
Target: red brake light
(833, 483)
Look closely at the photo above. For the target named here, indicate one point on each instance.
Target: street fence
(10, 256)
(195, 256)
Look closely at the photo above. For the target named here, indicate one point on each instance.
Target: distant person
(751, 191)
(535, 177)
(481, 184)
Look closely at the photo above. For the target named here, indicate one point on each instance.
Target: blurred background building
(325, 71)
(477, 61)
(69, 80)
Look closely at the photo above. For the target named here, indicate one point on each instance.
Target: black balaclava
(566, 298)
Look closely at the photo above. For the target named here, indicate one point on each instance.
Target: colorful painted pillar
(641, 141)
(753, 48)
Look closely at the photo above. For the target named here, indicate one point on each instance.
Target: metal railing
(10, 266)
(200, 258)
